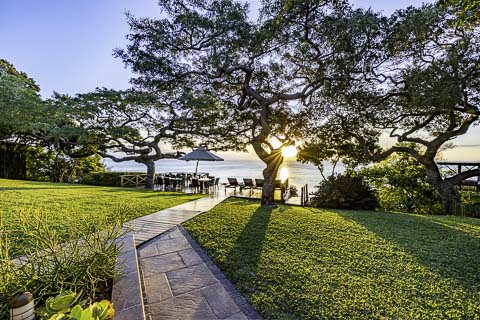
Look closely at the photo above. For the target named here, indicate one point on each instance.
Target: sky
(66, 46)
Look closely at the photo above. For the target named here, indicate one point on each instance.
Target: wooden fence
(466, 210)
(133, 180)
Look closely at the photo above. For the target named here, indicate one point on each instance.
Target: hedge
(107, 178)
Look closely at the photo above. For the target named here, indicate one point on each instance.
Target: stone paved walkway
(150, 226)
(181, 282)
(179, 279)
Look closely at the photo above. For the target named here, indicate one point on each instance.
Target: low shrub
(470, 197)
(345, 192)
(83, 261)
(401, 185)
(106, 178)
(51, 165)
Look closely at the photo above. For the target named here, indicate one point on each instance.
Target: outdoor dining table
(203, 181)
(176, 181)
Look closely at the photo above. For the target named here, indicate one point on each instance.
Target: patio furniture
(204, 182)
(215, 182)
(200, 154)
(194, 183)
(259, 184)
(160, 181)
(282, 185)
(233, 183)
(248, 184)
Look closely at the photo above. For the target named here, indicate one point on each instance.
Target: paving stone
(190, 257)
(157, 288)
(132, 313)
(237, 316)
(127, 291)
(161, 264)
(220, 301)
(192, 305)
(149, 250)
(190, 278)
(171, 245)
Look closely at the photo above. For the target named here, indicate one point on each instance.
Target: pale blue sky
(67, 45)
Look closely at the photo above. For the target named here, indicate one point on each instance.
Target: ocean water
(298, 174)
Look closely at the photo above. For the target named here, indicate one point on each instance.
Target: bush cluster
(345, 192)
(105, 178)
(401, 185)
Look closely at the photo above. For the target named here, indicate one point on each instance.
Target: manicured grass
(299, 263)
(62, 202)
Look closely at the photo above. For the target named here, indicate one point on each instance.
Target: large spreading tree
(259, 73)
(132, 125)
(423, 90)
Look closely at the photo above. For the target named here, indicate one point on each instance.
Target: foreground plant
(62, 307)
(84, 261)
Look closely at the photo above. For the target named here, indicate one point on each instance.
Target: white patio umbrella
(200, 154)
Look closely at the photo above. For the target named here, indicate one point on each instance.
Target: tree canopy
(260, 74)
(422, 90)
(20, 101)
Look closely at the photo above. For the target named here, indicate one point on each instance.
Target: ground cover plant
(304, 263)
(63, 203)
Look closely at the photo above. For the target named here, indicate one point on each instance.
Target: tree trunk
(448, 192)
(268, 189)
(150, 180)
(450, 196)
(269, 176)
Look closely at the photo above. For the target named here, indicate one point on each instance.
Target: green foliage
(62, 303)
(304, 263)
(470, 197)
(52, 165)
(106, 178)
(464, 12)
(401, 185)
(422, 94)
(20, 101)
(62, 307)
(66, 204)
(83, 261)
(345, 192)
(249, 81)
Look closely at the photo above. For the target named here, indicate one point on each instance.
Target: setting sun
(289, 151)
(284, 174)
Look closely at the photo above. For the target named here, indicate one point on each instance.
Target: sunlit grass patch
(63, 202)
(300, 263)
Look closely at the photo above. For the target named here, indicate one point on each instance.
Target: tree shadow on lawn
(243, 258)
(446, 251)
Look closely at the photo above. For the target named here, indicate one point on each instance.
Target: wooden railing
(304, 196)
(133, 180)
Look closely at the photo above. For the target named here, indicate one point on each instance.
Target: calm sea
(299, 174)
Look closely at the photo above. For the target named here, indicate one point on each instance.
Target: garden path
(179, 280)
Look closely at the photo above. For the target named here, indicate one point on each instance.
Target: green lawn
(300, 263)
(63, 202)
